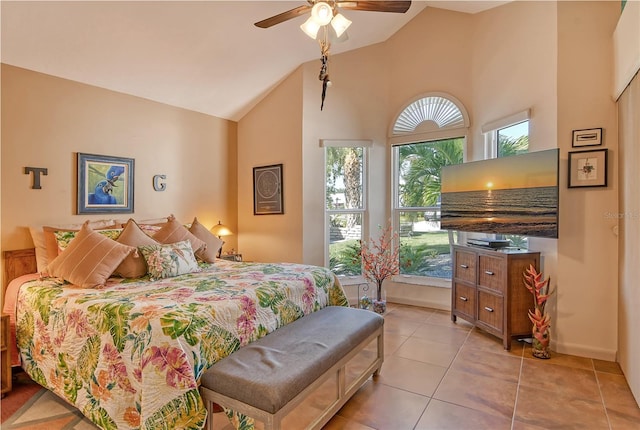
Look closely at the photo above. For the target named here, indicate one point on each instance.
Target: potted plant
(380, 261)
(539, 289)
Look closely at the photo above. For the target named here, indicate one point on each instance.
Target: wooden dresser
(488, 290)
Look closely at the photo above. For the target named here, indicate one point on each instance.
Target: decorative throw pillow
(173, 232)
(214, 243)
(173, 259)
(149, 226)
(89, 260)
(64, 237)
(45, 243)
(133, 266)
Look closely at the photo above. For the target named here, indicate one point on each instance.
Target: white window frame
(490, 131)
(365, 144)
(460, 129)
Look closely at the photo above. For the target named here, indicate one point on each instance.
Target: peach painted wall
(272, 134)
(587, 280)
(46, 120)
(522, 55)
(359, 92)
(432, 53)
(523, 64)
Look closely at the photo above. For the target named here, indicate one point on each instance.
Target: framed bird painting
(105, 184)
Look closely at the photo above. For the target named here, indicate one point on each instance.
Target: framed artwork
(105, 184)
(267, 190)
(587, 137)
(588, 168)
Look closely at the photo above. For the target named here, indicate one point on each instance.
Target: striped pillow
(89, 260)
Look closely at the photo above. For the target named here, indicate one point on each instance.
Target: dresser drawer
(491, 273)
(465, 269)
(464, 300)
(490, 310)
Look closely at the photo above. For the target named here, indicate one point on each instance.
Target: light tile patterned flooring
(441, 375)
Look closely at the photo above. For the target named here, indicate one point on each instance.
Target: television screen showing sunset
(510, 195)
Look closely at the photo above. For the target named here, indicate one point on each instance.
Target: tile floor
(441, 375)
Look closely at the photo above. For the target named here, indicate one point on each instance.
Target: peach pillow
(133, 266)
(51, 244)
(173, 232)
(41, 242)
(210, 253)
(89, 260)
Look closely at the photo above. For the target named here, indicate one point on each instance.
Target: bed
(130, 354)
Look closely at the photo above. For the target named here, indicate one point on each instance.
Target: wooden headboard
(17, 263)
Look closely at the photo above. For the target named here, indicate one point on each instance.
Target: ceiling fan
(372, 6)
(325, 12)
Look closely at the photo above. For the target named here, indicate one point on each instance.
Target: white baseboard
(418, 302)
(583, 351)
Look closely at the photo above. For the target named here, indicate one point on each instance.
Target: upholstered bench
(268, 378)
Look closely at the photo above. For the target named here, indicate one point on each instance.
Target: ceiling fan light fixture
(310, 28)
(322, 13)
(340, 24)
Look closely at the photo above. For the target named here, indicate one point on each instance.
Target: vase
(380, 306)
(540, 344)
(365, 302)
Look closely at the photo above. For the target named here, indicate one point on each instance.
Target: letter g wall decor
(158, 182)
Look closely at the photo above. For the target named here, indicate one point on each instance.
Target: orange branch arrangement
(539, 288)
(380, 258)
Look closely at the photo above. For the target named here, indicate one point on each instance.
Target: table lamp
(220, 230)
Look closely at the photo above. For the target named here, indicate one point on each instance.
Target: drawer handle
(464, 266)
(464, 299)
(488, 309)
(489, 272)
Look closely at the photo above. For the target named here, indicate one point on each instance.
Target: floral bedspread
(129, 355)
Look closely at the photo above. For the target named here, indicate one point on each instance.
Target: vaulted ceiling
(205, 56)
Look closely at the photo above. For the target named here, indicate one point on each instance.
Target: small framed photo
(267, 190)
(587, 137)
(105, 184)
(588, 168)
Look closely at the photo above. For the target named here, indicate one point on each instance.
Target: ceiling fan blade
(284, 16)
(376, 6)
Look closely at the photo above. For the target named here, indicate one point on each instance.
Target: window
(429, 133)
(345, 204)
(513, 139)
(505, 137)
(424, 247)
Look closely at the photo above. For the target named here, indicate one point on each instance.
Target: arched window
(428, 133)
(432, 114)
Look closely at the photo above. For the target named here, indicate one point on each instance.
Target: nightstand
(5, 355)
(232, 257)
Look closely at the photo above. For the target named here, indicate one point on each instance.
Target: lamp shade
(221, 230)
(322, 13)
(310, 27)
(340, 24)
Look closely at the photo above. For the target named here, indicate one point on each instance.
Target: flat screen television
(510, 195)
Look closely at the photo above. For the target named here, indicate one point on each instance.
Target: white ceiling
(205, 56)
